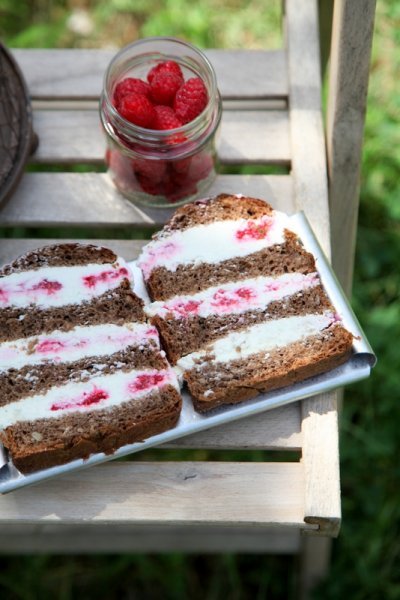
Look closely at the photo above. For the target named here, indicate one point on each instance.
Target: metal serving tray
(357, 367)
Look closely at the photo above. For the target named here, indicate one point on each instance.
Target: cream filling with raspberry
(103, 392)
(263, 337)
(70, 346)
(234, 297)
(50, 287)
(213, 243)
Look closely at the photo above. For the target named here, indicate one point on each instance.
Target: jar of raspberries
(160, 109)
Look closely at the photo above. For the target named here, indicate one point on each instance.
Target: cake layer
(262, 337)
(288, 257)
(212, 384)
(213, 242)
(186, 335)
(60, 255)
(101, 392)
(44, 443)
(234, 297)
(76, 344)
(38, 379)
(223, 207)
(114, 306)
(50, 287)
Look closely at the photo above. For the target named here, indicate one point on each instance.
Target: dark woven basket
(17, 139)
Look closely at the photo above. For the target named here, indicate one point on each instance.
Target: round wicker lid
(17, 139)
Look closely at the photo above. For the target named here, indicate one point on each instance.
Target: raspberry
(167, 66)
(153, 170)
(149, 186)
(137, 109)
(166, 118)
(130, 85)
(191, 99)
(164, 86)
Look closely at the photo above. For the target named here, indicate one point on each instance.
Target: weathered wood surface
(148, 493)
(353, 24)
(320, 453)
(90, 199)
(306, 125)
(76, 74)
(75, 539)
(248, 136)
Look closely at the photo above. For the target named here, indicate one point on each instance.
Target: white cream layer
(70, 346)
(213, 242)
(263, 337)
(57, 286)
(234, 297)
(99, 393)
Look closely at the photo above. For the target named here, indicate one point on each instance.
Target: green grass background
(366, 556)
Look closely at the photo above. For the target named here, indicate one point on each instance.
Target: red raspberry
(137, 109)
(191, 99)
(149, 186)
(130, 85)
(166, 118)
(201, 166)
(153, 170)
(168, 66)
(164, 86)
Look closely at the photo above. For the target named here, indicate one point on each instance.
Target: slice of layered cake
(238, 301)
(81, 370)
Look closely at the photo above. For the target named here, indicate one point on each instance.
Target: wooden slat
(79, 73)
(91, 199)
(277, 429)
(319, 415)
(248, 136)
(348, 83)
(166, 493)
(77, 539)
(306, 124)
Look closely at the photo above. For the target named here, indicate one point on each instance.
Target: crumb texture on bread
(246, 313)
(81, 370)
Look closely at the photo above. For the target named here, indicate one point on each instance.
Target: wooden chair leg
(314, 563)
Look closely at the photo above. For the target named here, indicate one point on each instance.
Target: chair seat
(262, 505)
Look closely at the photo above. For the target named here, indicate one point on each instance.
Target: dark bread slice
(119, 304)
(38, 379)
(183, 336)
(79, 435)
(221, 208)
(115, 306)
(288, 257)
(162, 284)
(241, 380)
(60, 255)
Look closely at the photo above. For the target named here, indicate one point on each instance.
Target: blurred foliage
(94, 23)
(366, 556)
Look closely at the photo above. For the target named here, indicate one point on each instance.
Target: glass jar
(152, 167)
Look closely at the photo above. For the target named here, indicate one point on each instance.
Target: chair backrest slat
(352, 30)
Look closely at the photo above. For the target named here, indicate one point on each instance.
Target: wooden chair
(273, 118)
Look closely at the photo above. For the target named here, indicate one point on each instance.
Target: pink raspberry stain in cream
(49, 346)
(185, 309)
(42, 288)
(146, 381)
(86, 399)
(255, 230)
(246, 293)
(166, 250)
(224, 300)
(91, 281)
(46, 286)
